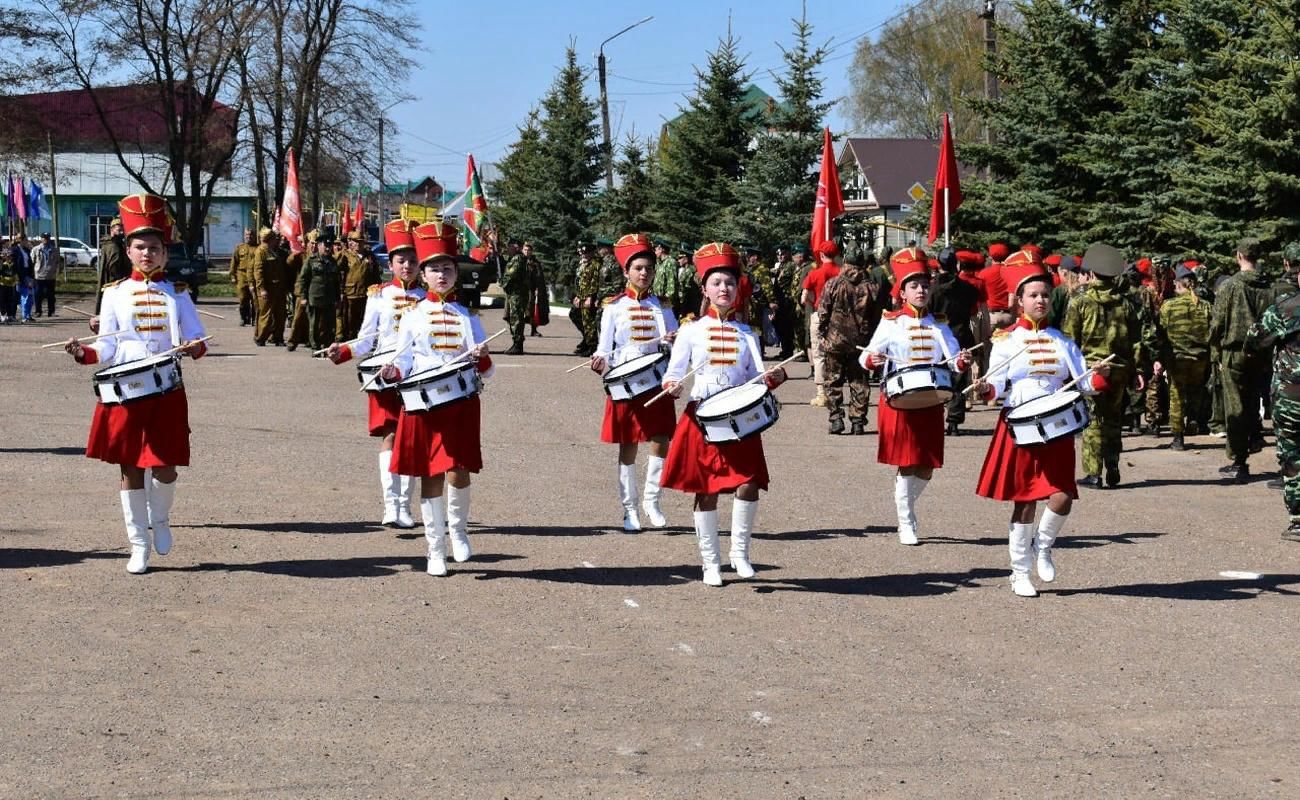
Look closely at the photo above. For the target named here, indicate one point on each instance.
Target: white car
(77, 253)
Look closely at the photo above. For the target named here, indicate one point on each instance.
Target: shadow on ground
(1214, 589)
(1067, 541)
(368, 567)
(912, 584)
(52, 451)
(28, 557)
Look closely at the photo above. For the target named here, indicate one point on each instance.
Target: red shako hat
(631, 246)
(435, 240)
(398, 235)
(1021, 266)
(716, 255)
(145, 213)
(908, 263)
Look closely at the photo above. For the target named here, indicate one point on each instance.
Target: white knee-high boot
(434, 515)
(627, 496)
(458, 522)
(161, 496)
(903, 500)
(386, 480)
(742, 530)
(706, 532)
(654, 470)
(402, 488)
(1049, 527)
(135, 510)
(1020, 544)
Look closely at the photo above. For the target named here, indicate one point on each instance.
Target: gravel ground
(290, 647)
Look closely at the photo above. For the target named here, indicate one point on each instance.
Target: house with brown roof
(882, 179)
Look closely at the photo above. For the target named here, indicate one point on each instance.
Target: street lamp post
(385, 110)
(604, 102)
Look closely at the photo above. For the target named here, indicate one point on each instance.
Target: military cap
(1069, 263)
(264, 232)
(326, 239)
(1104, 260)
(1291, 252)
(355, 236)
(115, 221)
(685, 249)
(603, 242)
(313, 235)
(802, 249)
(1182, 272)
(750, 250)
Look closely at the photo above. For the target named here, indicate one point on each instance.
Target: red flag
(289, 216)
(359, 217)
(945, 178)
(345, 217)
(475, 212)
(830, 201)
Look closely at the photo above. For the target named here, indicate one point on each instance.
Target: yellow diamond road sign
(917, 192)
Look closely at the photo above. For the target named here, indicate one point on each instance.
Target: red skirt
(700, 467)
(631, 421)
(385, 407)
(1024, 474)
(910, 438)
(429, 443)
(153, 432)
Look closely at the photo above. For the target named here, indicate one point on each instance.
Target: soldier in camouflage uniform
(1185, 355)
(666, 285)
(1238, 304)
(847, 317)
(518, 284)
(579, 282)
(1103, 322)
(1279, 330)
(762, 302)
(692, 295)
(317, 290)
(800, 266)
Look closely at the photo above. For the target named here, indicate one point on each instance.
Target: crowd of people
(28, 275)
(1009, 326)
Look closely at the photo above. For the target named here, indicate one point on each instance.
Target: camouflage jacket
(1278, 329)
(521, 275)
(1185, 328)
(588, 278)
(764, 289)
(958, 301)
(1239, 303)
(1104, 321)
(666, 286)
(849, 312)
(612, 279)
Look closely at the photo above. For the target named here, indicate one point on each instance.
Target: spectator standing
(22, 261)
(45, 264)
(811, 295)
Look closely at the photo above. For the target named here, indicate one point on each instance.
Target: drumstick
(387, 364)
(77, 311)
(587, 363)
(181, 347)
(85, 340)
(992, 370)
(458, 358)
(760, 375)
(665, 392)
(465, 354)
(970, 350)
(350, 341)
(1087, 372)
(209, 313)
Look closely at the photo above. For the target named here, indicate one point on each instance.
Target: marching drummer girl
(911, 439)
(635, 324)
(722, 353)
(385, 305)
(440, 445)
(142, 318)
(1039, 360)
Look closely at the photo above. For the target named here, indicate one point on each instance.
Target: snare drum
(737, 413)
(1046, 418)
(918, 386)
(369, 367)
(636, 377)
(136, 380)
(433, 388)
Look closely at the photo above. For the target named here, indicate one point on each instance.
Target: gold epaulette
(374, 289)
(609, 299)
(940, 318)
(1001, 333)
(895, 314)
(687, 318)
(111, 284)
(180, 286)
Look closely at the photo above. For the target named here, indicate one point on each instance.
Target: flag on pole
(345, 217)
(20, 196)
(36, 208)
(830, 200)
(947, 186)
(289, 215)
(475, 212)
(10, 208)
(359, 218)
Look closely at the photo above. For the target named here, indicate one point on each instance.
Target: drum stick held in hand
(968, 350)
(386, 365)
(665, 392)
(586, 363)
(1087, 372)
(77, 311)
(357, 340)
(992, 370)
(763, 374)
(465, 354)
(86, 340)
(181, 347)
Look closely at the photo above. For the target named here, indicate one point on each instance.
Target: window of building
(97, 227)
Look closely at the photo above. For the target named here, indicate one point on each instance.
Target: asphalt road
(289, 647)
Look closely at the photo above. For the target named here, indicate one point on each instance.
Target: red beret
(1054, 260)
(828, 249)
(1144, 266)
(998, 251)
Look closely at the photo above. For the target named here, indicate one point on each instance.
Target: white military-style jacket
(633, 325)
(909, 337)
(385, 305)
(154, 316)
(1042, 360)
(434, 332)
(726, 353)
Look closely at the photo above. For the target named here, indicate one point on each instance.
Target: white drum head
(633, 365)
(732, 399)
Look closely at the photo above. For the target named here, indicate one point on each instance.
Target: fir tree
(704, 151)
(516, 194)
(775, 196)
(623, 209)
(570, 164)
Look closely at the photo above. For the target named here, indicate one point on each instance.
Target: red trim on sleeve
(203, 351)
(1099, 382)
(88, 356)
(774, 381)
(345, 353)
(484, 364)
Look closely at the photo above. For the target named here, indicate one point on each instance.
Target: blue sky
(477, 94)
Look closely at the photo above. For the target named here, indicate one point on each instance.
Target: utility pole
(315, 162)
(990, 52)
(604, 102)
(54, 201)
(381, 174)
